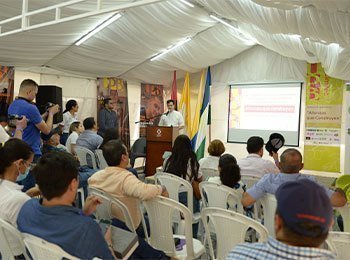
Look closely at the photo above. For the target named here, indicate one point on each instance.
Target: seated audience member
(291, 164)
(254, 164)
(183, 163)
(54, 219)
(215, 149)
(302, 221)
(75, 129)
(121, 184)
(229, 173)
(113, 134)
(109, 134)
(6, 133)
(89, 138)
(16, 159)
(51, 142)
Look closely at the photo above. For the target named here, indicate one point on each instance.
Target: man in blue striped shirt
(302, 221)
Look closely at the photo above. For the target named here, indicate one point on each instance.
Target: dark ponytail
(70, 104)
(13, 150)
(230, 173)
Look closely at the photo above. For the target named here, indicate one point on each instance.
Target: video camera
(11, 120)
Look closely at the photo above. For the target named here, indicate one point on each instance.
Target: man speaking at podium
(172, 117)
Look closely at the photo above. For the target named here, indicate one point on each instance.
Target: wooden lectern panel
(159, 140)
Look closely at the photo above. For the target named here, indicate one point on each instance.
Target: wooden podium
(159, 140)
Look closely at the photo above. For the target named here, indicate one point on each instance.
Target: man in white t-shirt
(254, 164)
(172, 117)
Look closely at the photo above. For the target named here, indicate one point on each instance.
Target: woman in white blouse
(215, 149)
(69, 116)
(75, 129)
(16, 159)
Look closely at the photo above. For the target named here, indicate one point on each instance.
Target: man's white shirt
(254, 165)
(173, 118)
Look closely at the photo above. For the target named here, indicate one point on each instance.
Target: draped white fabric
(293, 34)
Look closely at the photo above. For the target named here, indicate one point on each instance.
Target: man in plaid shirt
(302, 221)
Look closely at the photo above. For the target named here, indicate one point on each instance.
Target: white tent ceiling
(310, 30)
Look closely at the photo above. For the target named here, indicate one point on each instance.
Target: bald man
(290, 164)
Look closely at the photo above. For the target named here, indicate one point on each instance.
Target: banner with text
(117, 90)
(152, 106)
(324, 98)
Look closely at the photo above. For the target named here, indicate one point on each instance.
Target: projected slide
(264, 109)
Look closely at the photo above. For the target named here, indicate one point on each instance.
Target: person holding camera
(23, 106)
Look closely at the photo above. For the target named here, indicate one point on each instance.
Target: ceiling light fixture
(170, 48)
(187, 3)
(251, 40)
(99, 27)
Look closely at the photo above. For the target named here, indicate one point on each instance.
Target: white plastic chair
(209, 172)
(216, 195)
(249, 181)
(85, 156)
(8, 235)
(101, 161)
(345, 213)
(41, 249)
(230, 229)
(339, 243)
(160, 212)
(173, 184)
(104, 210)
(269, 204)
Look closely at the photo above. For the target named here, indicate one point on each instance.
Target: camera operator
(23, 106)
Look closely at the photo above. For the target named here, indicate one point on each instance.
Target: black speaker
(49, 94)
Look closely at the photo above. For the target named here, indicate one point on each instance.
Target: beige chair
(160, 212)
(8, 235)
(339, 243)
(269, 204)
(85, 156)
(42, 249)
(230, 229)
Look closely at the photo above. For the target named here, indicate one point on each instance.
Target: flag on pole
(185, 106)
(174, 90)
(197, 114)
(204, 119)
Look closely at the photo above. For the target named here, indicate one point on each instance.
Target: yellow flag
(185, 104)
(197, 114)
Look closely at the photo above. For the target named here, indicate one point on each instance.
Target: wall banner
(152, 106)
(324, 98)
(117, 90)
(6, 88)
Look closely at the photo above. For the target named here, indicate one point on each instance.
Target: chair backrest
(8, 236)
(269, 204)
(345, 213)
(209, 172)
(249, 181)
(220, 196)
(105, 211)
(173, 184)
(42, 249)
(85, 156)
(160, 212)
(230, 229)
(339, 243)
(101, 161)
(138, 149)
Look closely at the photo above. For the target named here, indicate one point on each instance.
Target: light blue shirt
(269, 183)
(90, 140)
(274, 249)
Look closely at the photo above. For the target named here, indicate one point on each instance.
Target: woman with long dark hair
(183, 163)
(69, 116)
(15, 163)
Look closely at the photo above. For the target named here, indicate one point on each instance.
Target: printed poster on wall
(117, 90)
(6, 88)
(152, 106)
(324, 97)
